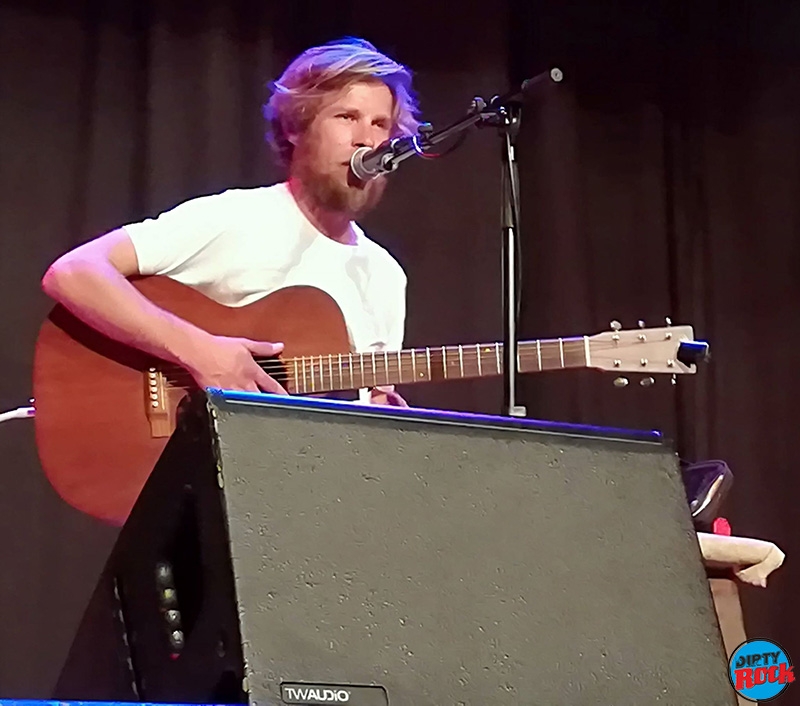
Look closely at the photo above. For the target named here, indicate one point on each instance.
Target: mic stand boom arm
(416, 145)
(480, 113)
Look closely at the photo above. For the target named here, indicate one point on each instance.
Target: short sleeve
(166, 243)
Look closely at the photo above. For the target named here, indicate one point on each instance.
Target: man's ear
(291, 131)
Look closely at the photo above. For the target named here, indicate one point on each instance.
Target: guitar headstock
(670, 349)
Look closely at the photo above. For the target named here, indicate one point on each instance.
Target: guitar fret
(363, 381)
(444, 361)
(428, 356)
(414, 362)
(497, 355)
(321, 374)
(586, 352)
(330, 369)
(539, 354)
(478, 352)
(461, 360)
(399, 368)
(341, 378)
(351, 366)
(386, 366)
(296, 381)
(374, 372)
(561, 350)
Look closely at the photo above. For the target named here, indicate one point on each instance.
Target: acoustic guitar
(104, 411)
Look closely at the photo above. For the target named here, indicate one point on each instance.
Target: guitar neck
(351, 371)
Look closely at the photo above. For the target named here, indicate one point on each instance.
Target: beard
(350, 196)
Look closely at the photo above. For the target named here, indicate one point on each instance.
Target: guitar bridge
(157, 406)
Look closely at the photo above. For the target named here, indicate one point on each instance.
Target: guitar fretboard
(350, 371)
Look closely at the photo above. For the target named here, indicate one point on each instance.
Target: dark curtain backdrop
(660, 179)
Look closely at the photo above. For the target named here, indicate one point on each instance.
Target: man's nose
(365, 136)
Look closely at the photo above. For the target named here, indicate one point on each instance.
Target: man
(242, 244)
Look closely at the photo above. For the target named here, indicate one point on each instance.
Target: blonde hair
(327, 69)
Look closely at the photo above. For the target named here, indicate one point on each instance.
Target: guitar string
(488, 350)
(318, 367)
(328, 359)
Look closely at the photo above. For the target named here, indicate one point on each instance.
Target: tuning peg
(616, 326)
(641, 323)
(621, 382)
(674, 379)
(668, 320)
(646, 382)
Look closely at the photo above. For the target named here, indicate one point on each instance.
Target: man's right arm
(91, 282)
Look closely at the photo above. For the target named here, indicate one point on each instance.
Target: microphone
(367, 163)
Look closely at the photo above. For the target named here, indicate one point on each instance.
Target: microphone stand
(509, 128)
(504, 113)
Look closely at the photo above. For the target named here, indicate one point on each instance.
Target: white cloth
(752, 560)
(243, 244)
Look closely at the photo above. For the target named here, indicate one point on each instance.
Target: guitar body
(102, 419)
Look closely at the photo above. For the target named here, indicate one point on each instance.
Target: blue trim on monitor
(432, 415)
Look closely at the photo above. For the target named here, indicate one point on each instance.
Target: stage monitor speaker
(298, 551)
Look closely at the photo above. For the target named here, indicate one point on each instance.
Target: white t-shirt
(243, 244)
